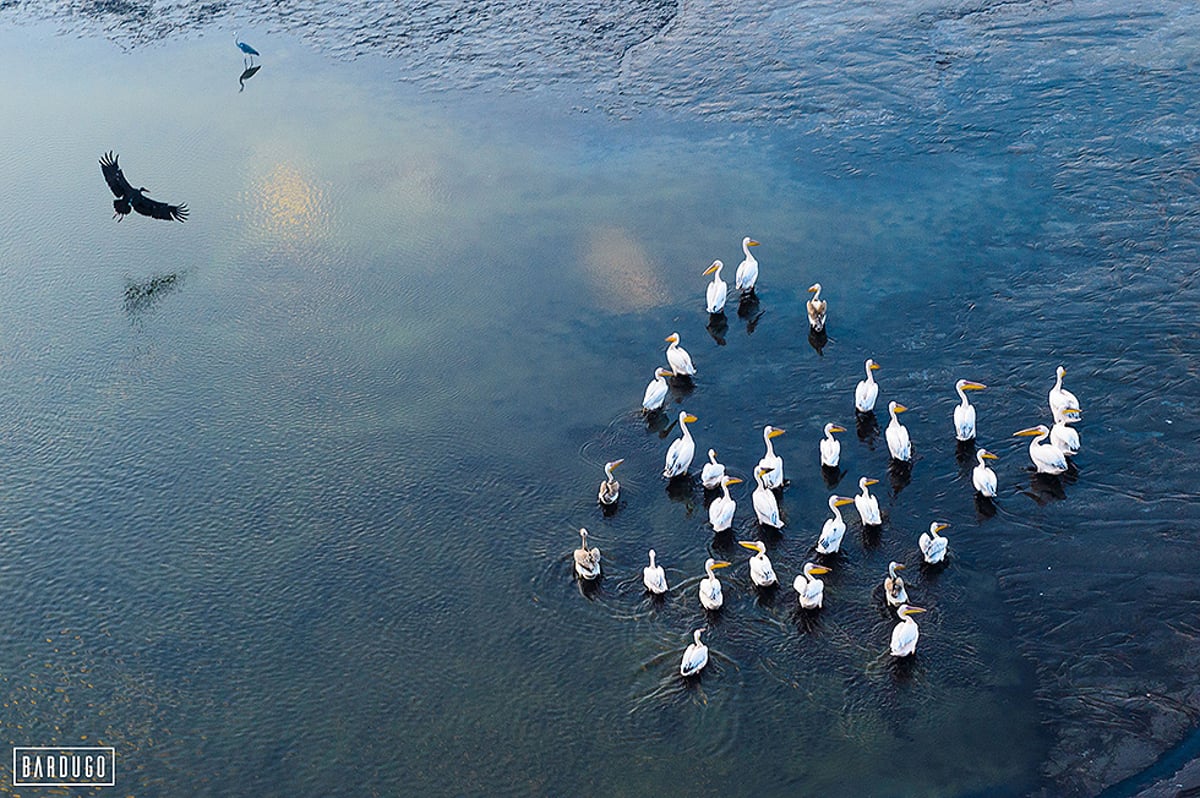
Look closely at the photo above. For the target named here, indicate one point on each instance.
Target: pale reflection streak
(620, 272)
(288, 206)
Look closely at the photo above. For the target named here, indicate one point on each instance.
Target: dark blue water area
(291, 490)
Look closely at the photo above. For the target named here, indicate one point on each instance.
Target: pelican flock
(1049, 451)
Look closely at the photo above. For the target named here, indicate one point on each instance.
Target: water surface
(291, 489)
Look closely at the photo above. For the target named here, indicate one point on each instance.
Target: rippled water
(291, 490)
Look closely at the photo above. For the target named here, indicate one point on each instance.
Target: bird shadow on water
(899, 475)
(680, 387)
(832, 476)
(818, 340)
(984, 507)
(718, 325)
(749, 310)
(247, 73)
(867, 427)
(142, 296)
(1045, 488)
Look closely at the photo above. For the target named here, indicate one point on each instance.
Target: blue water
(290, 490)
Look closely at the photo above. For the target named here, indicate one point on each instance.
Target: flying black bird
(130, 198)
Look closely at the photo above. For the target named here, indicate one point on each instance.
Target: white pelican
(761, 572)
(656, 391)
(610, 488)
(897, 434)
(771, 463)
(720, 512)
(696, 656)
(904, 636)
(713, 472)
(893, 585)
(867, 391)
(831, 447)
(1060, 397)
(765, 505)
(747, 271)
(717, 290)
(816, 308)
(682, 449)
(1048, 459)
(678, 358)
(835, 528)
(654, 577)
(811, 589)
(982, 477)
(710, 586)
(964, 411)
(1065, 439)
(933, 545)
(866, 504)
(587, 561)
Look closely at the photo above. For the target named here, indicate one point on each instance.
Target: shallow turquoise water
(296, 515)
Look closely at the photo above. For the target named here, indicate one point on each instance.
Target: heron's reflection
(248, 73)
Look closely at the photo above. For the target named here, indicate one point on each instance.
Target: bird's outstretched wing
(158, 210)
(114, 176)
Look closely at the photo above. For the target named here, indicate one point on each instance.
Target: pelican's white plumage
(747, 271)
(867, 390)
(964, 411)
(717, 290)
(720, 512)
(682, 449)
(761, 572)
(587, 561)
(1046, 458)
(831, 447)
(835, 528)
(866, 504)
(982, 477)
(711, 597)
(656, 391)
(905, 634)
(1060, 398)
(893, 585)
(713, 472)
(765, 505)
(610, 488)
(816, 308)
(654, 577)
(695, 657)
(1064, 438)
(897, 434)
(810, 589)
(678, 358)
(933, 546)
(771, 463)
